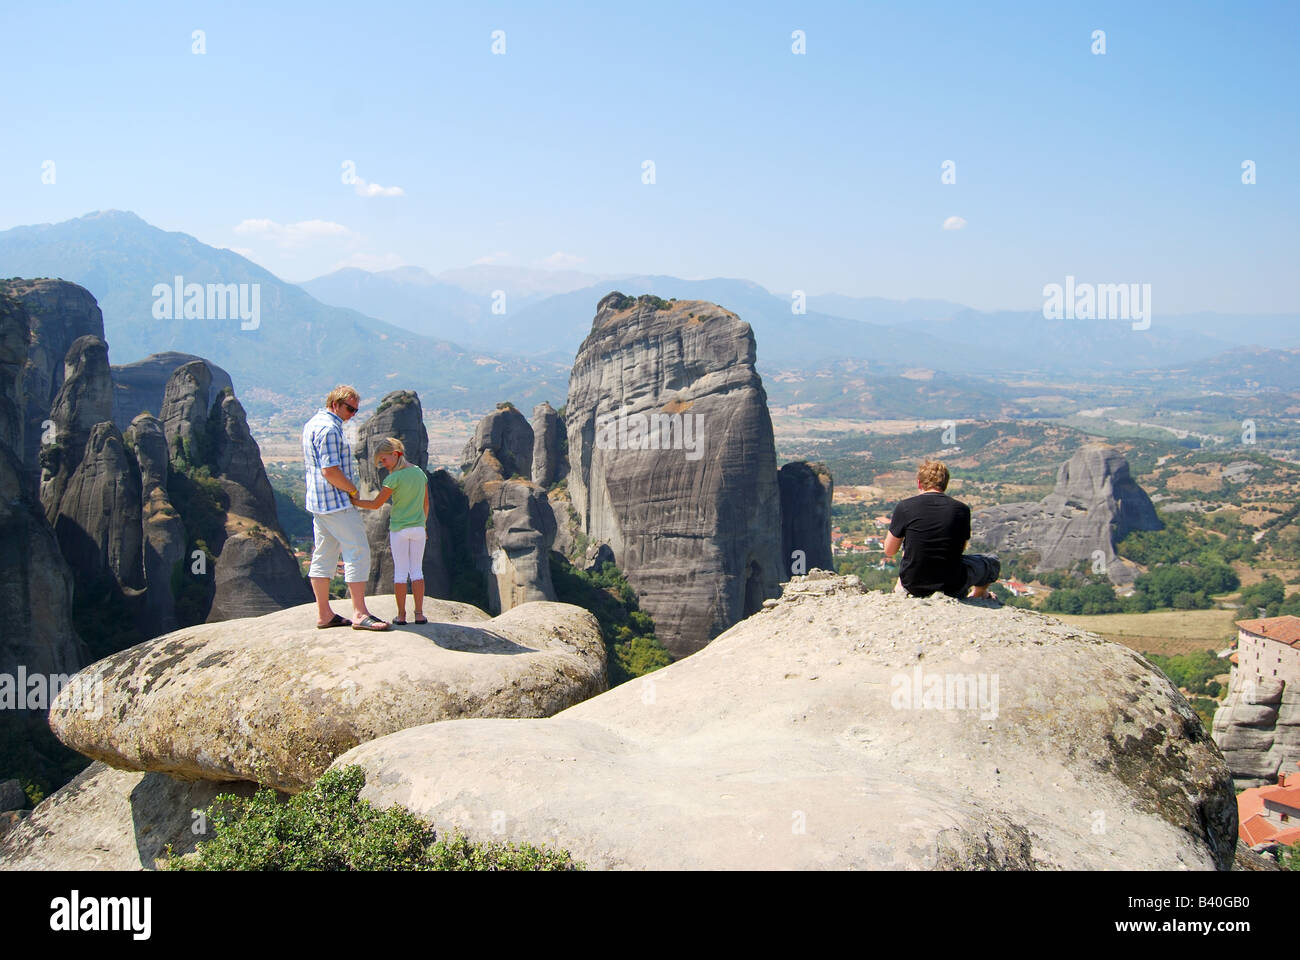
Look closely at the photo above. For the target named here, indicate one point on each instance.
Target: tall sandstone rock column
(401, 415)
(511, 526)
(806, 494)
(672, 462)
(164, 531)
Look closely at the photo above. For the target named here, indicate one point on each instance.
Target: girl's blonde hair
(391, 445)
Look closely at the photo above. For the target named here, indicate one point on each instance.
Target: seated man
(933, 528)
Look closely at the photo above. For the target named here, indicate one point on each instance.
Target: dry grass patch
(1163, 631)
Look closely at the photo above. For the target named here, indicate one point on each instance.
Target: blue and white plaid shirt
(323, 445)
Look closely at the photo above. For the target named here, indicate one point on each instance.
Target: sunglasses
(348, 406)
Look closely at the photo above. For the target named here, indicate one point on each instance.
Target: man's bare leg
(320, 586)
(357, 593)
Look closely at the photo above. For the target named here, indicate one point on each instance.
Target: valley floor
(1167, 632)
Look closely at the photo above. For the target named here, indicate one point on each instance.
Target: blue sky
(818, 172)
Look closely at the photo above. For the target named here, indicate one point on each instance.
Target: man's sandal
(370, 623)
(336, 622)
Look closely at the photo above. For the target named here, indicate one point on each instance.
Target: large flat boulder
(108, 819)
(274, 700)
(841, 729)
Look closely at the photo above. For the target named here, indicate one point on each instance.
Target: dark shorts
(981, 570)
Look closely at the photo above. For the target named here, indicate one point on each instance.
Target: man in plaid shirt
(331, 486)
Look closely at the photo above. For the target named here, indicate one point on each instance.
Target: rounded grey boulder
(273, 699)
(837, 729)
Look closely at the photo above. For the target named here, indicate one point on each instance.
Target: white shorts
(408, 553)
(341, 532)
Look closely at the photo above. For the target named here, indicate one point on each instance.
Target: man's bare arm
(336, 478)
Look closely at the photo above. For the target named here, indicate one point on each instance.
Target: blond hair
(341, 392)
(391, 445)
(932, 475)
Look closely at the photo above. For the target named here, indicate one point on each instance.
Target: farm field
(1163, 631)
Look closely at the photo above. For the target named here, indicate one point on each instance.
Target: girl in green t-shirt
(408, 487)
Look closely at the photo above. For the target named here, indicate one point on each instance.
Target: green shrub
(1289, 857)
(1192, 671)
(329, 827)
(632, 649)
(1205, 708)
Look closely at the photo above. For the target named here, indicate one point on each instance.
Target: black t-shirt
(934, 529)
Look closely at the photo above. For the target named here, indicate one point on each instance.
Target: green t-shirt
(408, 486)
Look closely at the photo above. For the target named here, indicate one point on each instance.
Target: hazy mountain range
(932, 333)
(439, 334)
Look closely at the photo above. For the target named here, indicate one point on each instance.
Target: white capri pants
(408, 553)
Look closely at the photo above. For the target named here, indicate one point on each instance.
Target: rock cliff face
(139, 387)
(90, 483)
(549, 465)
(98, 518)
(806, 493)
(185, 412)
(399, 415)
(254, 571)
(56, 313)
(689, 500)
(163, 529)
(1095, 504)
(1258, 729)
(511, 526)
(109, 498)
(238, 464)
(84, 400)
(846, 730)
(507, 434)
(35, 581)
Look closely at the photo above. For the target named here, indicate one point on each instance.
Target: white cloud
(373, 262)
(954, 223)
(491, 259)
(560, 260)
(293, 234)
(366, 189)
(242, 251)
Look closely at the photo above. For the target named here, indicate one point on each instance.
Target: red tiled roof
(1282, 629)
(1258, 830)
(1287, 796)
(1252, 826)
